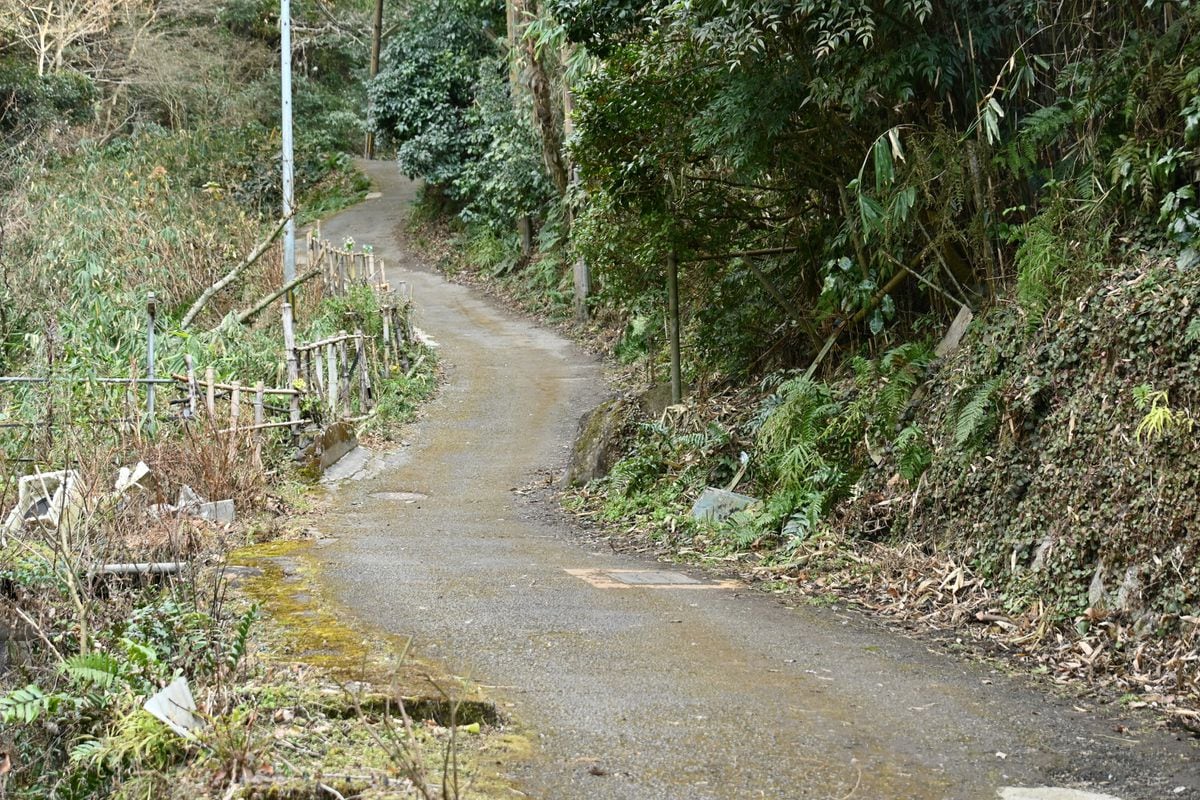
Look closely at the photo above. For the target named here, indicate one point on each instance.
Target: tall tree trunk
(373, 67)
(546, 116)
(582, 273)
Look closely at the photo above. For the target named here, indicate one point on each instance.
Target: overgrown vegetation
(141, 145)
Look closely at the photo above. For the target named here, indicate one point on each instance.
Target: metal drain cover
(640, 577)
(646, 579)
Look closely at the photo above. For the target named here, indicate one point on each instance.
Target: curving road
(676, 691)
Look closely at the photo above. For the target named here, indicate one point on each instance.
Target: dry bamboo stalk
(262, 427)
(228, 387)
(251, 313)
(323, 342)
(208, 293)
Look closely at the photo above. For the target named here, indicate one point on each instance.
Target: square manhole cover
(646, 579)
(641, 577)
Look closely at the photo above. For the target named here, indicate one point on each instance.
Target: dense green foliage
(442, 98)
(910, 157)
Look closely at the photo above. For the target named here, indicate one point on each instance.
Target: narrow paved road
(680, 692)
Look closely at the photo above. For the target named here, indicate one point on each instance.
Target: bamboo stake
(331, 383)
(289, 346)
(131, 403)
(211, 393)
(364, 381)
(320, 373)
(191, 386)
(387, 345)
(235, 409)
(259, 395)
(344, 373)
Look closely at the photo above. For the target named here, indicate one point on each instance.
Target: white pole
(151, 316)
(289, 198)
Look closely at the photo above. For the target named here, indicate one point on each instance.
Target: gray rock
(719, 504)
(655, 400)
(328, 448)
(1129, 593)
(1096, 596)
(954, 335)
(598, 443)
(1039, 558)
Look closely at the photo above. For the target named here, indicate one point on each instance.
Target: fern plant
(978, 415)
(27, 704)
(913, 455)
(97, 670)
(238, 644)
(1160, 419)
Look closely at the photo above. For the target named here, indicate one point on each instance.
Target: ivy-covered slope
(1063, 455)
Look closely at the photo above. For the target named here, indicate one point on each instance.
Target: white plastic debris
(176, 708)
(195, 505)
(130, 477)
(47, 499)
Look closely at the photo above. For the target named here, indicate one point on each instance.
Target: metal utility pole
(285, 122)
(373, 68)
